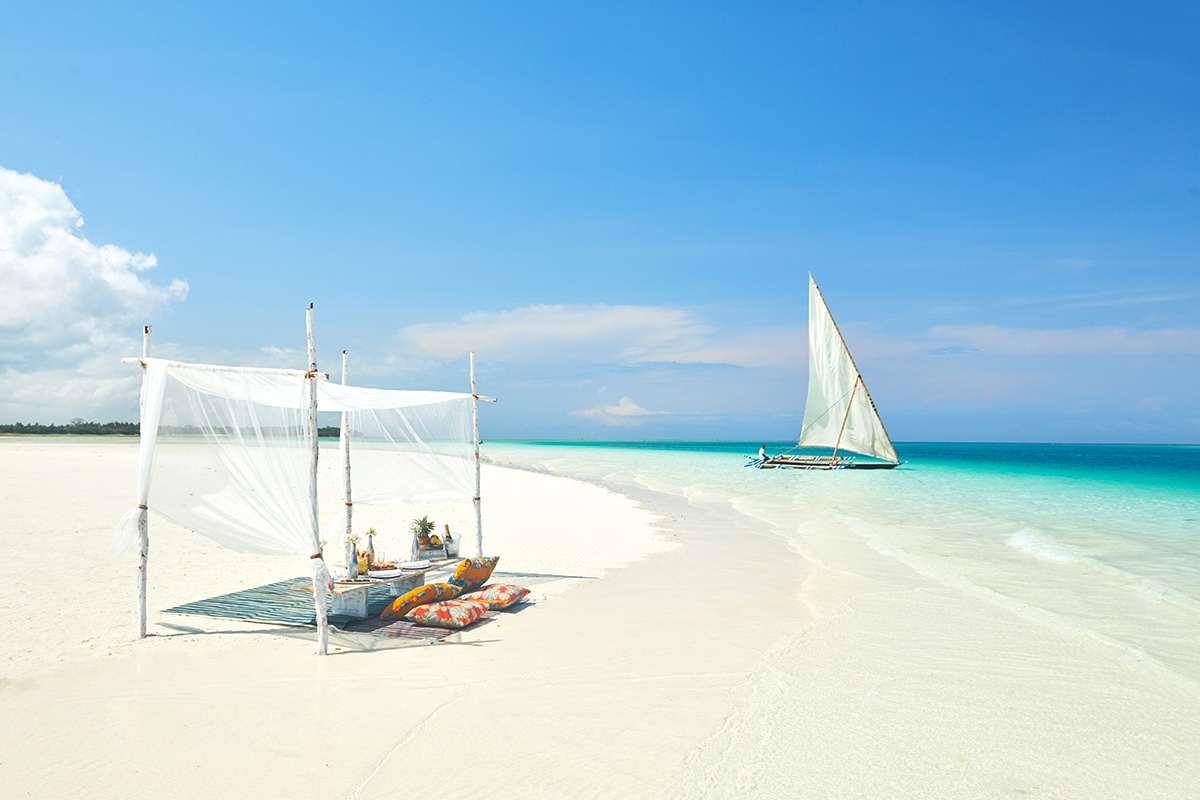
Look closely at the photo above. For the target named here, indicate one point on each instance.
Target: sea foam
(1028, 541)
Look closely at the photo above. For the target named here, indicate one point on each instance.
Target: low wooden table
(350, 597)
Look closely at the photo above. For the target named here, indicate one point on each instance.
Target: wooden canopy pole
(475, 499)
(143, 515)
(344, 443)
(475, 398)
(319, 575)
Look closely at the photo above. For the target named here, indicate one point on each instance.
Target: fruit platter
(383, 569)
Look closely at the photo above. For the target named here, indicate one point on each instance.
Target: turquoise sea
(1102, 540)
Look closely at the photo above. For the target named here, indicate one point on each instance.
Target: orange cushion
(428, 593)
(497, 596)
(448, 613)
(473, 572)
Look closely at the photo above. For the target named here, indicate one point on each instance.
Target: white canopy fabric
(227, 452)
(405, 446)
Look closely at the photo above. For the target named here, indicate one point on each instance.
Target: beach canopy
(227, 452)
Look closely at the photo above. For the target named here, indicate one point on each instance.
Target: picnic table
(349, 597)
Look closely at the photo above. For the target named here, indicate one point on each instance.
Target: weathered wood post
(344, 444)
(320, 573)
(143, 515)
(476, 498)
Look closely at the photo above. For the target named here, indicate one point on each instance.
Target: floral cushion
(472, 573)
(497, 595)
(429, 593)
(448, 613)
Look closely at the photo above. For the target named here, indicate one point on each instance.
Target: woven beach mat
(290, 603)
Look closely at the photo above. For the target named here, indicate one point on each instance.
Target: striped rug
(290, 602)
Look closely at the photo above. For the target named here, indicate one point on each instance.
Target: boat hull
(823, 462)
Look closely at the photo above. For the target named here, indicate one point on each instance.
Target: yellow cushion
(472, 573)
(428, 593)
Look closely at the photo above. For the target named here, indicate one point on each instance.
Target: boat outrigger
(840, 419)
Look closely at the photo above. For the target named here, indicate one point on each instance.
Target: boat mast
(857, 374)
(845, 416)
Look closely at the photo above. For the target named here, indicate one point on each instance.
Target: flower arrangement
(356, 561)
(423, 529)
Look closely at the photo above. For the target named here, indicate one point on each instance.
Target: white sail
(839, 413)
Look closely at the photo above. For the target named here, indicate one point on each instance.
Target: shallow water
(1097, 540)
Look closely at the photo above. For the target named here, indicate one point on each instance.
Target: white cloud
(99, 389)
(625, 412)
(275, 353)
(997, 340)
(599, 332)
(70, 308)
(604, 334)
(1108, 299)
(785, 347)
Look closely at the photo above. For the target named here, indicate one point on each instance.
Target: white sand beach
(677, 645)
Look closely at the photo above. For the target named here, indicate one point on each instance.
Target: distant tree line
(76, 426)
(80, 428)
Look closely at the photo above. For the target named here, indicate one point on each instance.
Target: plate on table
(384, 573)
(414, 565)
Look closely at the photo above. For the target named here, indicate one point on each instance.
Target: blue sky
(616, 206)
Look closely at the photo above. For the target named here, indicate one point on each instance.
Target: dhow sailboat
(841, 428)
